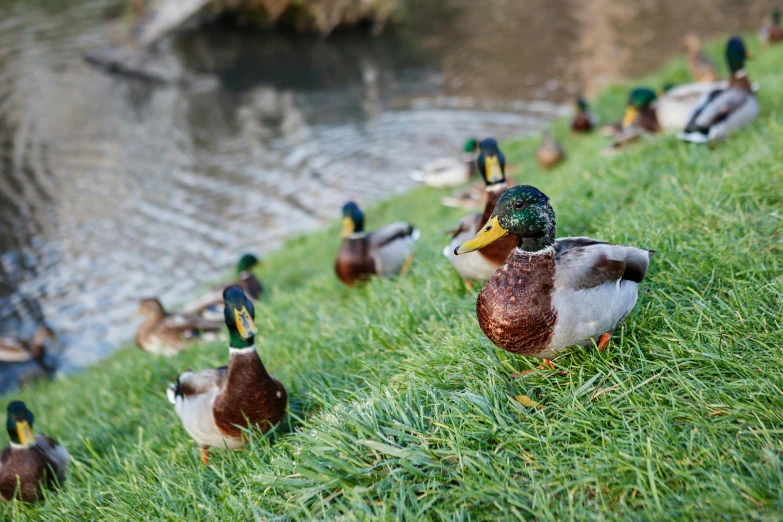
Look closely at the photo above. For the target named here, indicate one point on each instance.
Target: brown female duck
(701, 67)
(17, 350)
(164, 333)
(479, 266)
(216, 405)
(31, 461)
(549, 294)
(550, 153)
(384, 252)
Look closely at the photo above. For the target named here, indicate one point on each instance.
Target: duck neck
(739, 80)
(534, 245)
(245, 369)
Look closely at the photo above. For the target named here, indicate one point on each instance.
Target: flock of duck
(541, 294)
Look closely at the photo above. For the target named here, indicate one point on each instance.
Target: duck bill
(348, 227)
(493, 170)
(489, 233)
(245, 324)
(25, 433)
(630, 116)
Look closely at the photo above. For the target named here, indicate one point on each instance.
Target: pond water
(113, 189)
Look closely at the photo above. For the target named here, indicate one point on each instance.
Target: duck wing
(584, 263)
(193, 397)
(715, 107)
(390, 246)
(57, 455)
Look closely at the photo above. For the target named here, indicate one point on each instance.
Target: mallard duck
(583, 120)
(384, 252)
(701, 67)
(772, 32)
(479, 266)
(216, 405)
(549, 294)
(164, 333)
(31, 461)
(723, 111)
(18, 350)
(245, 278)
(449, 172)
(647, 113)
(549, 152)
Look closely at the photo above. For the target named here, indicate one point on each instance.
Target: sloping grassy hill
(402, 409)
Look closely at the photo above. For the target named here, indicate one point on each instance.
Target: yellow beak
(492, 168)
(630, 116)
(489, 233)
(348, 227)
(245, 324)
(25, 433)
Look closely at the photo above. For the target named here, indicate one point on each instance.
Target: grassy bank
(402, 409)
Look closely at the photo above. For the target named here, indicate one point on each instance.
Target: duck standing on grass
(550, 152)
(723, 111)
(772, 32)
(583, 120)
(549, 294)
(216, 405)
(449, 172)
(385, 252)
(479, 266)
(244, 278)
(31, 461)
(165, 333)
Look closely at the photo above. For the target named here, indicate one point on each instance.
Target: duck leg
(204, 455)
(406, 265)
(545, 363)
(603, 341)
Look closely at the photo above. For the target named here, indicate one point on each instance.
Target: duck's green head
(240, 315)
(353, 219)
(20, 424)
(736, 54)
(639, 99)
(470, 146)
(491, 162)
(246, 263)
(581, 104)
(523, 211)
(776, 15)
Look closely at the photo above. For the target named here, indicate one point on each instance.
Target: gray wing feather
(720, 106)
(383, 236)
(583, 263)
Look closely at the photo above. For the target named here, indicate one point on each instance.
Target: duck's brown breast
(251, 397)
(515, 309)
(30, 467)
(353, 261)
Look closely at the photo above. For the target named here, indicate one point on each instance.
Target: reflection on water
(113, 189)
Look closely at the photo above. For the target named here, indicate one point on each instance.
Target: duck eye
(519, 204)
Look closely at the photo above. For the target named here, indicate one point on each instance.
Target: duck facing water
(244, 278)
(31, 461)
(214, 405)
(549, 294)
(16, 350)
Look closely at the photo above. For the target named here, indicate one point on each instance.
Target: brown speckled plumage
(251, 397)
(514, 308)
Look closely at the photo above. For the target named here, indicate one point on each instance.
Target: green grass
(402, 409)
